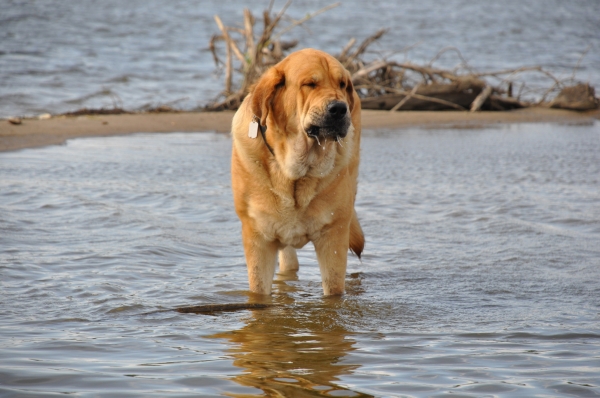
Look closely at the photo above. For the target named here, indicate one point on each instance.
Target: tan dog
(294, 169)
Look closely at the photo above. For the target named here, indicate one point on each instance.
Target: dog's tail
(357, 238)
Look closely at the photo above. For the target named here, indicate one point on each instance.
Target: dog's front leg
(332, 254)
(260, 260)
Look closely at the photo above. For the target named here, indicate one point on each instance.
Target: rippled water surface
(481, 275)
(59, 56)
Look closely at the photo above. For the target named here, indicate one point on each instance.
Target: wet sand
(56, 130)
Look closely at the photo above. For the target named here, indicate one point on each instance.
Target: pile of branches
(381, 83)
(259, 51)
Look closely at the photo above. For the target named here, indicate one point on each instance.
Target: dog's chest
(297, 210)
(293, 227)
(292, 224)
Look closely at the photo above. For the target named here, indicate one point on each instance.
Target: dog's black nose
(337, 109)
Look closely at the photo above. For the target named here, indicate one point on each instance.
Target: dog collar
(262, 129)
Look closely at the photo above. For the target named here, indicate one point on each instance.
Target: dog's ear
(264, 92)
(349, 91)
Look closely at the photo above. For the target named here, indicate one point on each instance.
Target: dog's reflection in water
(293, 350)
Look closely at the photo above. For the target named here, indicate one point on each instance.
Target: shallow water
(58, 56)
(480, 275)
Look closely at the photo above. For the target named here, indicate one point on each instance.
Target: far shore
(56, 130)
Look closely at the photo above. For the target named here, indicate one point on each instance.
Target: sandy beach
(56, 130)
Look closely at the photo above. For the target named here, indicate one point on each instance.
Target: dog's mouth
(313, 131)
(333, 132)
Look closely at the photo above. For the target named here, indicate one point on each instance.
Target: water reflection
(295, 349)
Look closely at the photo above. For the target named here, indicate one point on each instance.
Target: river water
(480, 275)
(58, 56)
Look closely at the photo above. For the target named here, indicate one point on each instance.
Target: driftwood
(94, 111)
(213, 308)
(381, 84)
(434, 96)
(579, 98)
(481, 98)
(258, 54)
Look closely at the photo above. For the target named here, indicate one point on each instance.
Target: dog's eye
(342, 85)
(311, 84)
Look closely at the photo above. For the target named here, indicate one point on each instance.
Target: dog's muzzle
(333, 123)
(336, 110)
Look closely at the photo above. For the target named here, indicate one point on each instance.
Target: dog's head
(309, 93)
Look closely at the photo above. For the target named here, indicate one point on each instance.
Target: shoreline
(32, 133)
